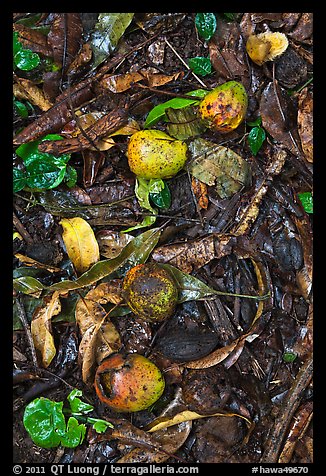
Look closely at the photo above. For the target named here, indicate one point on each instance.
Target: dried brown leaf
(200, 191)
(228, 53)
(305, 123)
(248, 213)
(26, 89)
(41, 328)
(277, 113)
(299, 425)
(99, 335)
(33, 39)
(189, 255)
(32, 262)
(65, 37)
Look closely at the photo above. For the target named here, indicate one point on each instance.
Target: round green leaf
(307, 201)
(45, 422)
(26, 60)
(200, 65)
(206, 25)
(74, 435)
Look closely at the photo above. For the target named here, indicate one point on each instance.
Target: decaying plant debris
(235, 221)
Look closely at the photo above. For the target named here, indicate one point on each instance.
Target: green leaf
(107, 32)
(136, 252)
(21, 108)
(142, 189)
(24, 59)
(229, 16)
(256, 138)
(161, 198)
(289, 357)
(200, 65)
(158, 112)
(256, 122)
(100, 426)
(78, 407)
(75, 433)
(307, 201)
(42, 171)
(70, 177)
(191, 288)
(206, 25)
(45, 422)
(17, 46)
(19, 179)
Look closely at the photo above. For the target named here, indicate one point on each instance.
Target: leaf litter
(234, 228)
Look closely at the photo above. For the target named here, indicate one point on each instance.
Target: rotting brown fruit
(266, 46)
(153, 154)
(128, 383)
(150, 292)
(225, 107)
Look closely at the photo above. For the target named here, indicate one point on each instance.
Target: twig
(167, 93)
(22, 317)
(20, 227)
(276, 435)
(184, 63)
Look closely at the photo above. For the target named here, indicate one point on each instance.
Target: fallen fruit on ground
(153, 154)
(225, 107)
(151, 292)
(266, 46)
(128, 383)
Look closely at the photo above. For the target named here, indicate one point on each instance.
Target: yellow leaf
(41, 328)
(186, 415)
(81, 244)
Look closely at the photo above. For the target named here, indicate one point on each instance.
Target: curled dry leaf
(190, 255)
(305, 123)
(217, 165)
(80, 242)
(118, 83)
(168, 440)
(99, 335)
(41, 328)
(26, 89)
(32, 262)
(186, 415)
